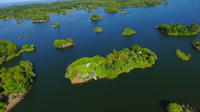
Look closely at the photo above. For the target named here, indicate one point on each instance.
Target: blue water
(138, 91)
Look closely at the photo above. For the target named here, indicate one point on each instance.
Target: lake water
(138, 91)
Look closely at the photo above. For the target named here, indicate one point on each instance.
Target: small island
(183, 56)
(98, 29)
(196, 44)
(114, 64)
(56, 25)
(64, 43)
(96, 17)
(9, 50)
(122, 12)
(175, 107)
(128, 32)
(179, 30)
(19, 21)
(15, 83)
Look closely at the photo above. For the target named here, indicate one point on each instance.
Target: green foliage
(113, 64)
(98, 29)
(196, 44)
(39, 12)
(166, 3)
(63, 43)
(27, 48)
(174, 107)
(17, 79)
(56, 25)
(179, 30)
(128, 32)
(183, 56)
(95, 17)
(111, 9)
(8, 50)
(2, 107)
(19, 21)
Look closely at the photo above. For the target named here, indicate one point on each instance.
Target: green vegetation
(15, 82)
(98, 29)
(95, 17)
(56, 25)
(19, 21)
(8, 50)
(63, 43)
(39, 12)
(174, 107)
(196, 44)
(179, 30)
(112, 65)
(128, 32)
(111, 9)
(166, 3)
(122, 12)
(183, 56)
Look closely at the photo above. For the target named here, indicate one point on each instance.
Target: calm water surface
(138, 91)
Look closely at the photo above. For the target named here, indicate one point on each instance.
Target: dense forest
(175, 107)
(112, 65)
(8, 50)
(128, 32)
(39, 12)
(15, 82)
(179, 30)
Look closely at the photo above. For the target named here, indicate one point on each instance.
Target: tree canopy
(179, 30)
(63, 43)
(112, 65)
(128, 32)
(39, 12)
(183, 56)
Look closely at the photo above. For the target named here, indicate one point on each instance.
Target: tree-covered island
(128, 32)
(114, 64)
(39, 12)
(19, 21)
(64, 43)
(196, 44)
(123, 12)
(15, 83)
(183, 56)
(179, 30)
(56, 25)
(96, 17)
(8, 50)
(175, 107)
(98, 29)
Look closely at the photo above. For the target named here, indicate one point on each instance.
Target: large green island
(179, 30)
(38, 13)
(15, 83)
(114, 64)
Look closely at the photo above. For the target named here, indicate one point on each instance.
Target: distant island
(98, 29)
(128, 32)
(38, 12)
(95, 17)
(196, 44)
(9, 50)
(183, 56)
(122, 12)
(179, 30)
(114, 64)
(63, 43)
(15, 83)
(56, 25)
(19, 21)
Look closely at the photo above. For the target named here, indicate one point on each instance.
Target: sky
(18, 1)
